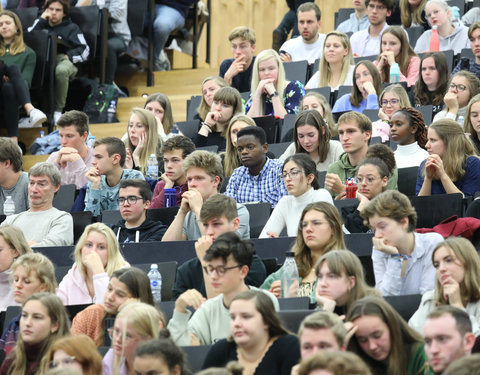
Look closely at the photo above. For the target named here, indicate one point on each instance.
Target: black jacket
(149, 231)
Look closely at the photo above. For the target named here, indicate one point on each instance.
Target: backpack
(96, 106)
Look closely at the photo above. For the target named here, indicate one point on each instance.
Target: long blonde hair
(151, 145)
(204, 108)
(407, 16)
(324, 67)
(18, 45)
(281, 80)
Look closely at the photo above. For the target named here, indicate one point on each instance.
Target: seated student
(452, 33)
(160, 106)
(463, 86)
(74, 159)
(408, 129)
(457, 282)
(238, 71)
(301, 180)
(97, 255)
(134, 198)
(315, 100)
(394, 48)
(218, 215)
(358, 19)
(385, 153)
(367, 85)
(412, 13)
(271, 93)
(227, 102)
(30, 273)
(448, 336)
(13, 181)
(312, 136)
(125, 284)
(105, 174)
(451, 166)
(136, 323)
(472, 125)
(258, 180)
(334, 363)
(142, 140)
(336, 63)
(354, 130)
(210, 86)
(401, 257)
(174, 151)
(204, 175)
(43, 225)
(473, 64)
(383, 339)
(266, 348)
(319, 231)
(231, 160)
(391, 99)
(432, 83)
(226, 263)
(307, 46)
(156, 356)
(372, 176)
(44, 319)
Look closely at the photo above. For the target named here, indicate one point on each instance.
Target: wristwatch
(275, 93)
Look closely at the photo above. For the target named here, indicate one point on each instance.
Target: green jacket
(25, 60)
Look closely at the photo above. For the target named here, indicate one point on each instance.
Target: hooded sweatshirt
(148, 231)
(455, 41)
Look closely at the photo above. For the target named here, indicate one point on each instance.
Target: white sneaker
(24, 123)
(37, 118)
(56, 117)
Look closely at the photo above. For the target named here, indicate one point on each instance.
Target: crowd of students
(223, 295)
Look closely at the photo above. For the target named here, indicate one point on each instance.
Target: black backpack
(96, 106)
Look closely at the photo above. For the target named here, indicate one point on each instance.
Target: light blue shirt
(353, 25)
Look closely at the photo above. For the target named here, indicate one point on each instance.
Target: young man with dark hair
(218, 215)
(174, 151)
(226, 262)
(238, 71)
(43, 225)
(105, 174)
(134, 198)
(448, 337)
(258, 180)
(73, 49)
(309, 45)
(366, 42)
(204, 173)
(13, 182)
(74, 159)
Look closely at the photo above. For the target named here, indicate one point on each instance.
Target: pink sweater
(412, 71)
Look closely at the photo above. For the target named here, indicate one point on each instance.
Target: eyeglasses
(459, 88)
(378, 7)
(65, 361)
(368, 180)
(391, 102)
(292, 174)
(220, 270)
(112, 332)
(131, 199)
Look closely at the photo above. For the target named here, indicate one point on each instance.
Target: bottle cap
(153, 155)
(289, 254)
(154, 266)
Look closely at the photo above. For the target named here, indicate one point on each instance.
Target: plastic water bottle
(394, 73)
(289, 276)
(434, 39)
(91, 141)
(461, 120)
(152, 167)
(42, 133)
(156, 283)
(175, 129)
(111, 111)
(8, 206)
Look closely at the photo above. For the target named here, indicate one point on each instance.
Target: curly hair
(415, 118)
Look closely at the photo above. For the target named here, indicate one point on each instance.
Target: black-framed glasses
(391, 102)
(67, 361)
(292, 174)
(131, 199)
(220, 270)
(459, 87)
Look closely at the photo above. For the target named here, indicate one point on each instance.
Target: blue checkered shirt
(267, 186)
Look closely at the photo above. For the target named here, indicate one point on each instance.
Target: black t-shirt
(242, 81)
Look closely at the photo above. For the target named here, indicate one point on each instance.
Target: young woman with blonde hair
(315, 100)
(457, 282)
(43, 320)
(97, 255)
(336, 64)
(412, 13)
(472, 122)
(143, 139)
(160, 106)
(271, 93)
(231, 160)
(451, 166)
(210, 86)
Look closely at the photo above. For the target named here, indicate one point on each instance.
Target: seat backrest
(195, 356)
(10, 313)
(326, 92)
(136, 16)
(212, 148)
(432, 209)
(295, 303)
(189, 128)
(165, 214)
(414, 32)
(168, 270)
(41, 43)
(88, 19)
(111, 217)
(343, 90)
(405, 305)
(60, 272)
(291, 319)
(361, 58)
(73, 310)
(27, 16)
(271, 265)
(259, 214)
(468, 53)
(343, 15)
(65, 197)
(296, 70)
(286, 128)
(270, 125)
(460, 4)
(427, 113)
(192, 105)
(372, 114)
(80, 221)
(407, 180)
(277, 149)
(339, 204)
